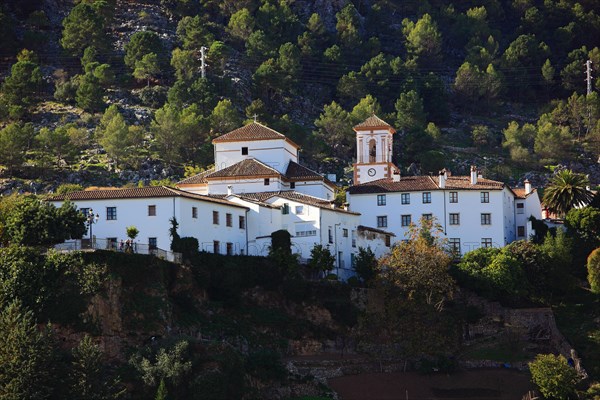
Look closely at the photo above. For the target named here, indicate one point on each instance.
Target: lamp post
(91, 220)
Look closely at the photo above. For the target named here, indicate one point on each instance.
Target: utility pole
(203, 64)
(588, 73)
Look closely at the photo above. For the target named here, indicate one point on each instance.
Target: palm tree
(567, 190)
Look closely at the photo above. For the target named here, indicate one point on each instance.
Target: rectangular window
(454, 245)
(353, 238)
(216, 246)
(345, 232)
(111, 213)
(454, 219)
(486, 219)
(228, 220)
(405, 198)
(520, 231)
(330, 235)
(151, 211)
(427, 217)
(406, 219)
(520, 208)
(426, 197)
(152, 243)
(486, 242)
(382, 221)
(306, 229)
(242, 222)
(286, 208)
(244, 151)
(485, 197)
(381, 199)
(453, 197)
(215, 218)
(292, 185)
(229, 248)
(267, 182)
(194, 212)
(388, 240)
(299, 210)
(85, 211)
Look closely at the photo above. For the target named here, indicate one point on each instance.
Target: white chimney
(229, 190)
(473, 175)
(527, 186)
(396, 176)
(442, 179)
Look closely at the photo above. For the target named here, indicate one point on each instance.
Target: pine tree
(25, 356)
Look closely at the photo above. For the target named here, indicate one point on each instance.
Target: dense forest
(104, 86)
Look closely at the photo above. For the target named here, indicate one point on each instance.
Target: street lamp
(91, 220)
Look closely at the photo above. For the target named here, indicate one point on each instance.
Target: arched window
(372, 150)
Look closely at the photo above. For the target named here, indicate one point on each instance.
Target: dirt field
(494, 384)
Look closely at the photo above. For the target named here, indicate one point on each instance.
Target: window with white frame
(520, 231)
(242, 222)
(486, 219)
(427, 217)
(520, 208)
(353, 238)
(453, 197)
(382, 221)
(381, 200)
(426, 197)
(330, 235)
(405, 198)
(454, 219)
(152, 243)
(194, 212)
(486, 242)
(345, 232)
(405, 220)
(299, 210)
(152, 211)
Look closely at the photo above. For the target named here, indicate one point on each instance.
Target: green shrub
(153, 96)
(553, 376)
(593, 267)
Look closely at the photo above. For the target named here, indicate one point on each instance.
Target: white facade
(461, 214)
(276, 153)
(151, 216)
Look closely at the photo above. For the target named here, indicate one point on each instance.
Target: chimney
(442, 179)
(527, 186)
(396, 175)
(229, 190)
(473, 175)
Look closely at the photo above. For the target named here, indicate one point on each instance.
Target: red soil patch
(471, 385)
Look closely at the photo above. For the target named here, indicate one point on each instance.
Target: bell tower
(373, 151)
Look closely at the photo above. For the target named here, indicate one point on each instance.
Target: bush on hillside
(593, 267)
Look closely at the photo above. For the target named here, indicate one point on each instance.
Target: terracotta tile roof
(368, 228)
(373, 122)
(464, 182)
(520, 193)
(252, 131)
(423, 183)
(294, 196)
(197, 179)
(138, 193)
(247, 167)
(406, 184)
(296, 171)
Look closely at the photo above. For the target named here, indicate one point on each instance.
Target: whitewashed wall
(469, 207)
(276, 153)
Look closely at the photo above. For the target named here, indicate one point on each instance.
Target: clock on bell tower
(373, 150)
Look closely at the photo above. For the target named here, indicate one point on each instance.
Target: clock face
(371, 172)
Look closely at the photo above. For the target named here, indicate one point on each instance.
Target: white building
(219, 225)
(472, 211)
(257, 187)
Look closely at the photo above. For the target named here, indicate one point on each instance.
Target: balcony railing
(105, 244)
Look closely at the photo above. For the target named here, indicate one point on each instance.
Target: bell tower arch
(374, 138)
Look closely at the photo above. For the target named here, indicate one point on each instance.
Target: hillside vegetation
(109, 91)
